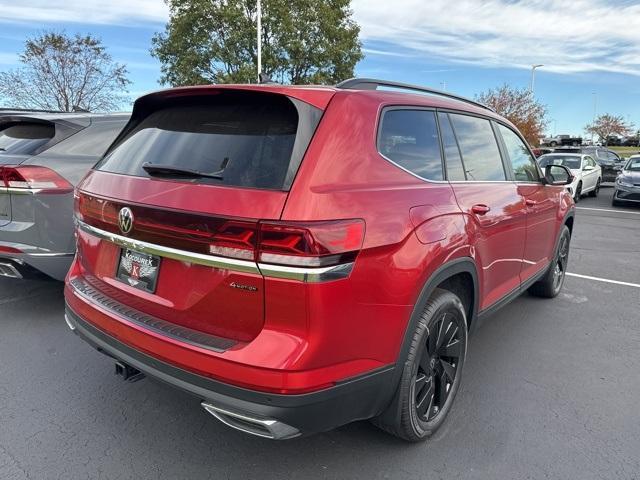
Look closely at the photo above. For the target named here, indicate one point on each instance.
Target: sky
(590, 49)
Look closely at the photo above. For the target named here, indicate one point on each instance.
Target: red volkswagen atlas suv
(302, 257)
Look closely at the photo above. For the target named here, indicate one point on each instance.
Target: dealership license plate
(139, 270)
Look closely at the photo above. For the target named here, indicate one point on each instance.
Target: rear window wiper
(171, 171)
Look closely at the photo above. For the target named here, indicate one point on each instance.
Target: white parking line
(605, 280)
(607, 210)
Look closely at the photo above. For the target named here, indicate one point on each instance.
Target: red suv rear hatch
(168, 220)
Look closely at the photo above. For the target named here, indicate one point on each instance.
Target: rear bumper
(54, 264)
(349, 400)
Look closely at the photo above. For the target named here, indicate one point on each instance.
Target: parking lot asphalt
(550, 389)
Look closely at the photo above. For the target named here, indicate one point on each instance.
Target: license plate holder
(139, 270)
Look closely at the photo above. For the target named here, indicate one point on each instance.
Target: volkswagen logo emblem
(125, 220)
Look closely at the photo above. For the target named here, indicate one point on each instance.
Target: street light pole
(533, 76)
(259, 33)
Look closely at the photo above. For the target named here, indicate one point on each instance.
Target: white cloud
(568, 36)
(118, 12)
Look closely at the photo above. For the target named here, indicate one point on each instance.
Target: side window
(589, 161)
(409, 138)
(453, 160)
(479, 148)
(613, 157)
(93, 140)
(524, 166)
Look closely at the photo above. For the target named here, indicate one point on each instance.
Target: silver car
(42, 157)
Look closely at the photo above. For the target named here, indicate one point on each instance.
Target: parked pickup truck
(561, 140)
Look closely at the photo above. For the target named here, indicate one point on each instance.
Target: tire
(550, 284)
(432, 371)
(594, 193)
(554, 144)
(578, 194)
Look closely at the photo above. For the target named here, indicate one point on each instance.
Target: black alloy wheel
(438, 367)
(561, 261)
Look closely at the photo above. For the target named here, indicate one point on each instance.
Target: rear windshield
(570, 162)
(24, 138)
(248, 139)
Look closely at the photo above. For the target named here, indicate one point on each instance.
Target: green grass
(625, 151)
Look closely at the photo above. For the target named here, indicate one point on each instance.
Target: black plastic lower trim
(354, 399)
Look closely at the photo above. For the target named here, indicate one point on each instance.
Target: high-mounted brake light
(34, 179)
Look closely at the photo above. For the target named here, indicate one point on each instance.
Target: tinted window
(479, 148)
(572, 162)
(524, 166)
(247, 138)
(93, 140)
(24, 138)
(455, 170)
(410, 139)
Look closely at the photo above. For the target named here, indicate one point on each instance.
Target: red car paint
(292, 336)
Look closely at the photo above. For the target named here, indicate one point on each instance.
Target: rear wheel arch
(568, 221)
(455, 276)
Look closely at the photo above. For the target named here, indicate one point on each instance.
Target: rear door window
(246, 138)
(522, 162)
(24, 138)
(409, 138)
(479, 148)
(453, 159)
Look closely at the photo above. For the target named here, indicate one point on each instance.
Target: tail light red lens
(302, 244)
(34, 178)
(314, 244)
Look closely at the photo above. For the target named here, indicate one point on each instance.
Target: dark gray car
(42, 157)
(628, 183)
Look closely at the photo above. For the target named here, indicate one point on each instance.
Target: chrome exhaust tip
(260, 427)
(70, 324)
(9, 270)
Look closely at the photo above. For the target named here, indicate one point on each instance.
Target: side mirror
(557, 175)
(587, 168)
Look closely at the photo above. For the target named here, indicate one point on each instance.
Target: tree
(61, 72)
(214, 41)
(608, 125)
(519, 107)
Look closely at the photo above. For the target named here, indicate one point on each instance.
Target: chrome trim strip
(304, 274)
(173, 253)
(21, 191)
(49, 254)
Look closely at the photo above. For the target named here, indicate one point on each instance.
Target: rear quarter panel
(412, 227)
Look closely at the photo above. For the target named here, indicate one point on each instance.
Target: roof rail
(373, 84)
(34, 110)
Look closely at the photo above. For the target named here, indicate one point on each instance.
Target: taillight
(294, 244)
(34, 179)
(313, 244)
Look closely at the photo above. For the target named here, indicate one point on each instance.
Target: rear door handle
(480, 209)
(530, 203)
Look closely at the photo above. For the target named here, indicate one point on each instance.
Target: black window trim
(506, 162)
(498, 144)
(388, 108)
(455, 138)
